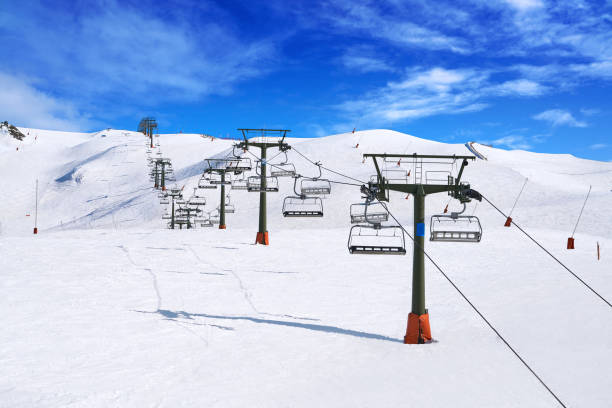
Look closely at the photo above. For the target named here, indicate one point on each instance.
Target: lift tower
(418, 329)
(175, 194)
(220, 167)
(163, 168)
(147, 126)
(263, 139)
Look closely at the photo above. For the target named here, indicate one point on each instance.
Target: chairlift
(301, 205)
(368, 212)
(373, 238)
(377, 239)
(203, 221)
(239, 184)
(216, 178)
(229, 207)
(310, 186)
(239, 164)
(204, 183)
(455, 227)
(283, 169)
(254, 184)
(214, 217)
(164, 200)
(197, 200)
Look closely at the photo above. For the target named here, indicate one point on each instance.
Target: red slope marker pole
(598, 253)
(36, 211)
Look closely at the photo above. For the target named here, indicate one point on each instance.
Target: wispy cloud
(365, 19)
(426, 92)
(23, 105)
(512, 142)
(598, 146)
(115, 54)
(363, 59)
(559, 117)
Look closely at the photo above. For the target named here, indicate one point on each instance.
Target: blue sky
(519, 74)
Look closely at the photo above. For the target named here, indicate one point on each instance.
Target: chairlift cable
(549, 253)
(476, 309)
(330, 170)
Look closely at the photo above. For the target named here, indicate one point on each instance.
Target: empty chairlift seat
(310, 186)
(204, 183)
(368, 212)
(254, 184)
(377, 240)
(449, 228)
(239, 184)
(302, 207)
(282, 170)
(239, 164)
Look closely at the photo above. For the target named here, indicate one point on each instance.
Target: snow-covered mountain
(105, 306)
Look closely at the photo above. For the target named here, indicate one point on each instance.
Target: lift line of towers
(371, 232)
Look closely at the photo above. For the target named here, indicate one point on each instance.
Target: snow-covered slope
(107, 307)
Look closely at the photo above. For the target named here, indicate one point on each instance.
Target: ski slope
(107, 307)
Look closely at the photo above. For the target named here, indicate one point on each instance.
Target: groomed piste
(127, 296)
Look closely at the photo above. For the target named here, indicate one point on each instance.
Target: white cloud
(118, 53)
(524, 5)
(559, 117)
(521, 87)
(365, 20)
(22, 104)
(426, 92)
(512, 142)
(598, 146)
(363, 59)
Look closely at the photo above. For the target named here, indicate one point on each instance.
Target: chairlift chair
(239, 164)
(164, 200)
(310, 186)
(377, 239)
(301, 205)
(217, 180)
(214, 217)
(455, 227)
(283, 169)
(203, 221)
(373, 238)
(368, 212)
(254, 184)
(204, 183)
(239, 184)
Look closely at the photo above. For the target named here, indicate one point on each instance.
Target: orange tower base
(418, 330)
(221, 226)
(262, 238)
(508, 222)
(570, 243)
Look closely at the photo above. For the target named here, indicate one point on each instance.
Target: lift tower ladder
(263, 139)
(418, 321)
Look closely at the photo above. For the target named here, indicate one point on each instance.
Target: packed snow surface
(108, 307)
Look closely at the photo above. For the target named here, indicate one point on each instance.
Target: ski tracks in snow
(158, 294)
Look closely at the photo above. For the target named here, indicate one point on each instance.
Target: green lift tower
(263, 139)
(418, 330)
